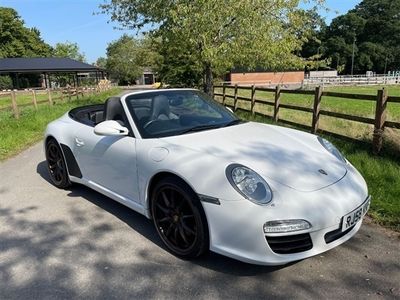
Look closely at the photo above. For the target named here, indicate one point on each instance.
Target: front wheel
(179, 218)
(56, 165)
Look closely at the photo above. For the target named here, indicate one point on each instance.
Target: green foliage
(373, 26)
(5, 82)
(101, 62)
(69, 50)
(178, 68)
(18, 41)
(218, 35)
(127, 57)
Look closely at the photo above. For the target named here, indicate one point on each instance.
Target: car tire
(56, 165)
(179, 218)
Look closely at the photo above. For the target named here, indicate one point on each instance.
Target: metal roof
(44, 64)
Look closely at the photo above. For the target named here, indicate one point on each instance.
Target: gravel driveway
(76, 243)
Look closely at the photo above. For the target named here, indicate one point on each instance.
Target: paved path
(77, 243)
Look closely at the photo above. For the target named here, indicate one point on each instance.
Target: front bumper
(236, 227)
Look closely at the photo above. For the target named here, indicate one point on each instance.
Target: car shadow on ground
(145, 227)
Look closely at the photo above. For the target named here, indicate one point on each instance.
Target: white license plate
(356, 215)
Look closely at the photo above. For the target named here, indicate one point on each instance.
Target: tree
(127, 57)
(101, 62)
(16, 40)
(312, 50)
(176, 66)
(5, 82)
(69, 50)
(373, 28)
(219, 35)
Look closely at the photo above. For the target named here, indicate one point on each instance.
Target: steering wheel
(148, 123)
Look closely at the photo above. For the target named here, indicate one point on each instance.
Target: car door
(108, 161)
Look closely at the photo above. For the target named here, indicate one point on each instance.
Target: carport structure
(47, 66)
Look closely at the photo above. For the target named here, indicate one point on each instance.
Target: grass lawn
(347, 106)
(25, 97)
(382, 174)
(16, 135)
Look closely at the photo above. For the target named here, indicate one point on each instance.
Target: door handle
(79, 142)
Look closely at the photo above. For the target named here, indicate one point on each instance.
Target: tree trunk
(208, 80)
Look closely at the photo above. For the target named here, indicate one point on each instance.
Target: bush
(5, 82)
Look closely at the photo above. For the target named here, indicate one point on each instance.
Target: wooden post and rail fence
(379, 122)
(47, 96)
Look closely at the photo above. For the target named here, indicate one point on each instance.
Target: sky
(76, 21)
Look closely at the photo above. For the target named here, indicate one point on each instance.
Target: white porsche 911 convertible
(258, 193)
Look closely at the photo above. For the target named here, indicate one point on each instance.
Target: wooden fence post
(277, 102)
(316, 109)
(253, 93)
(62, 95)
(235, 100)
(34, 99)
(49, 96)
(223, 94)
(380, 119)
(14, 104)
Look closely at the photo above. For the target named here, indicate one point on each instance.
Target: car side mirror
(110, 128)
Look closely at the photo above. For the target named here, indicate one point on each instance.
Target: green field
(25, 97)
(347, 106)
(16, 135)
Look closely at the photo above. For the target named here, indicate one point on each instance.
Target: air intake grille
(290, 243)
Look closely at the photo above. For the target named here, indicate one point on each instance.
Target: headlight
(249, 184)
(332, 149)
(286, 226)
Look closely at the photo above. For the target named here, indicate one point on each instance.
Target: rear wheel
(56, 165)
(179, 218)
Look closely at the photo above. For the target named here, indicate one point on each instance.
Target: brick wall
(267, 77)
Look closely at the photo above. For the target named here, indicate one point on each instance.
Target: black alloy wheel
(179, 218)
(56, 165)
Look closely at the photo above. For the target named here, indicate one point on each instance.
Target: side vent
(72, 164)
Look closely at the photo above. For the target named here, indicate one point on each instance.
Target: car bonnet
(290, 157)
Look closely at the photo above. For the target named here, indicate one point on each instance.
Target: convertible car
(258, 193)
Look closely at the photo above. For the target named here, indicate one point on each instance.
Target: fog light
(286, 226)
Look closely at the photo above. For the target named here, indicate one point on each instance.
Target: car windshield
(174, 112)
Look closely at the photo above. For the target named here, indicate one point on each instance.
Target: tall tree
(127, 57)
(16, 40)
(177, 66)
(101, 62)
(220, 34)
(69, 50)
(372, 30)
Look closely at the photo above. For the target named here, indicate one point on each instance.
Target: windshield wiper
(201, 127)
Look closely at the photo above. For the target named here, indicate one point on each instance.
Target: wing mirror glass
(110, 128)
